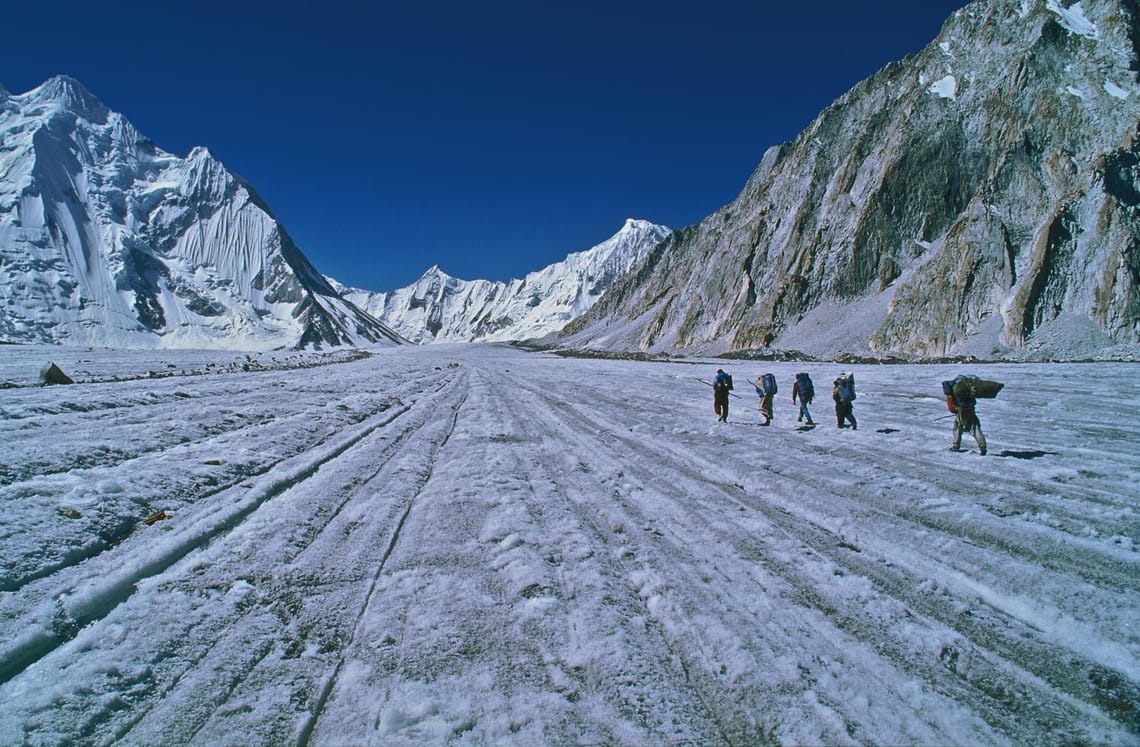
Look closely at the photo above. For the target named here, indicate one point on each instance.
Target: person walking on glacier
(843, 392)
(804, 389)
(962, 402)
(766, 390)
(722, 385)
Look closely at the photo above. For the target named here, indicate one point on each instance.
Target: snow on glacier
(1074, 19)
(472, 544)
(945, 87)
(1115, 91)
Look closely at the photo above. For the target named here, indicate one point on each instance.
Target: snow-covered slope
(440, 308)
(107, 240)
(981, 197)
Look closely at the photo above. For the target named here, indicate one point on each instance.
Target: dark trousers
(843, 412)
(720, 404)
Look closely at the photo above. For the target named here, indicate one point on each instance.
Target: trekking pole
(731, 393)
(944, 417)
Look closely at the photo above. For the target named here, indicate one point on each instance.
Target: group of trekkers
(961, 399)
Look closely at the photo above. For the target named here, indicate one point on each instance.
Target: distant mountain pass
(440, 308)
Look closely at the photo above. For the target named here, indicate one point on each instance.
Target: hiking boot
(955, 447)
(982, 451)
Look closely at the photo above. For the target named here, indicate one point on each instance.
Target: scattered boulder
(53, 374)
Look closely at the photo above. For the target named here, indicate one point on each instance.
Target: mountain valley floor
(476, 544)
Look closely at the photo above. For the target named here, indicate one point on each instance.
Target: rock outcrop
(981, 197)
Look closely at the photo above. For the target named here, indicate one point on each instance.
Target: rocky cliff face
(981, 197)
(107, 240)
(440, 308)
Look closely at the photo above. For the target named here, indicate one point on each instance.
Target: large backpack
(963, 392)
(768, 383)
(846, 386)
(971, 386)
(804, 386)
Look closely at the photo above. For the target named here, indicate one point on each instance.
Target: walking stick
(731, 394)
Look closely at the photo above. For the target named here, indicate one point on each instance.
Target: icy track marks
(737, 589)
(475, 545)
(501, 581)
(217, 430)
(81, 594)
(1022, 664)
(305, 567)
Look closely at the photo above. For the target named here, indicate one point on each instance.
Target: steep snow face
(440, 308)
(107, 240)
(979, 198)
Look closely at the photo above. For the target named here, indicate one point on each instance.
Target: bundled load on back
(845, 387)
(804, 387)
(962, 394)
(970, 387)
(843, 392)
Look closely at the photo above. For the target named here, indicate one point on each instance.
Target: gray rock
(53, 374)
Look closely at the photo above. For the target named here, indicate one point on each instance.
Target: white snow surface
(1073, 19)
(1115, 91)
(945, 87)
(480, 545)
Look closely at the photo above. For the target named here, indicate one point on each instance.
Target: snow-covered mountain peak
(636, 224)
(435, 272)
(107, 240)
(69, 94)
(637, 229)
(207, 177)
(441, 308)
(200, 154)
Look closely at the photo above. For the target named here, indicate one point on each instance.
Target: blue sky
(491, 138)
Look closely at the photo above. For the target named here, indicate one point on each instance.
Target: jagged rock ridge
(441, 308)
(981, 197)
(107, 240)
